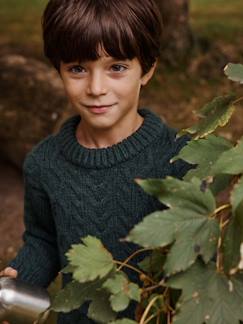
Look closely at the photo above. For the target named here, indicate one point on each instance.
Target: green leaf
(122, 291)
(234, 232)
(91, 260)
(156, 230)
(234, 72)
(204, 153)
(230, 162)
(134, 292)
(177, 193)
(237, 194)
(193, 234)
(208, 296)
(193, 242)
(123, 321)
(214, 114)
(119, 302)
(73, 295)
(187, 225)
(100, 309)
(233, 239)
(68, 269)
(153, 263)
(220, 183)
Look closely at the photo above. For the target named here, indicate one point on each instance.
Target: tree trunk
(177, 38)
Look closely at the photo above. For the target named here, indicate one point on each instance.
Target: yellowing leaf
(215, 114)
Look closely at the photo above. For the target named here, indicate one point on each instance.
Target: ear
(146, 77)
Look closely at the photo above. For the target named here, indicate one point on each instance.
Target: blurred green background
(20, 21)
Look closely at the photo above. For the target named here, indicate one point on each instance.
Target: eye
(76, 69)
(118, 68)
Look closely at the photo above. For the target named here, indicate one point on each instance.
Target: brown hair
(74, 30)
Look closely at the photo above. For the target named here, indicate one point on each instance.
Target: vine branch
(132, 256)
(219, 209)
(135, 269)
(151, 303)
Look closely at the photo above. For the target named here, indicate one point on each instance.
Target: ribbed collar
(73, 151)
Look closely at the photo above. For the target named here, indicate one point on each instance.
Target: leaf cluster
(193, 273)
(95, 279)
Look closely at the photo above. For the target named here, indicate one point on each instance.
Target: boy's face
(105, 92)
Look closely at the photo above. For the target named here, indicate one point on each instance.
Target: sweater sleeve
(37, 261)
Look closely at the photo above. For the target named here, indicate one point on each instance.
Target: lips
(98, 106)
(101, 109)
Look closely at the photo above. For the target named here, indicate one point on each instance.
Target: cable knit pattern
(72, 191)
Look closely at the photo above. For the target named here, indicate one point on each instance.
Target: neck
(102, 138)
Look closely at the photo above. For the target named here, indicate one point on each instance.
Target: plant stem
(223, 207)
(219, 209)
(168, 306)
(168, 318)
(219, 252)
(225, 223)
(152, 301)
(150, 318)
(152, 287)
(132, 256)
(153, 316)
(135, 269)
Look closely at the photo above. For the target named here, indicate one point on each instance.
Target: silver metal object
(21, 303)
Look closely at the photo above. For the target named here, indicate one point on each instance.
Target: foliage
(193, 273)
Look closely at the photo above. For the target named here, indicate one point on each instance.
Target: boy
(80, 181)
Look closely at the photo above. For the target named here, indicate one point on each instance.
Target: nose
(97, 84)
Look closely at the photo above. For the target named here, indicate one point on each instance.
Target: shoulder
(168, 145)
(174, 143)
(168, 138)
(40, 155)
(47, 151)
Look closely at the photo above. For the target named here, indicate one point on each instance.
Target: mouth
(99, 109)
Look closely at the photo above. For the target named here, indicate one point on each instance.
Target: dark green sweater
(72, 191)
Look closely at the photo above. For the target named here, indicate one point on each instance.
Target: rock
(32, 105)
(11, 213)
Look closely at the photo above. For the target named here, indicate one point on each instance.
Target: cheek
(73, 90)
(129, 88)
